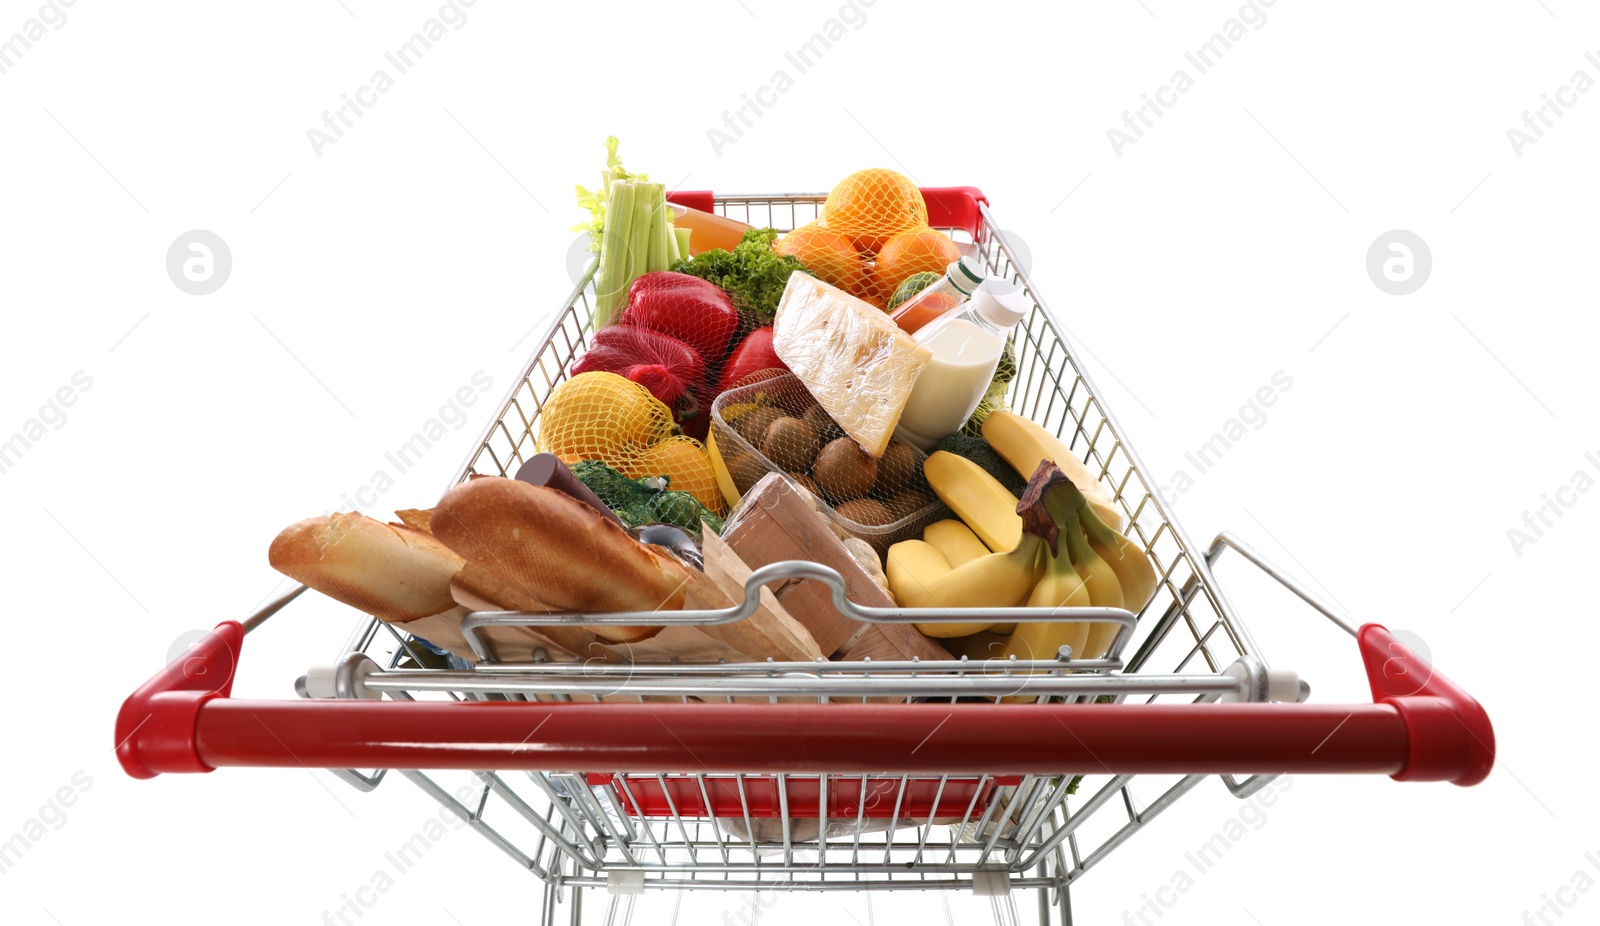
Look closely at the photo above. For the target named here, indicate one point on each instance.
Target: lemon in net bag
(606, 417)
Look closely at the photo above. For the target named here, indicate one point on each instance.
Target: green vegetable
(613, 488)
(751, 274)
(631, 226)
(978, 451)
(642, 501)
(681, 510)
(995, 396)
(915, 283)
(1007, 370)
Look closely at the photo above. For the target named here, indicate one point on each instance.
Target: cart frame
(640, 793)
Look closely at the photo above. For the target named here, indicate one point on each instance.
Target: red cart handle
(1421, 728)
(1448, 731)
(156, 726)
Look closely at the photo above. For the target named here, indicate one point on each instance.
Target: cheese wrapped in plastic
(855, 361)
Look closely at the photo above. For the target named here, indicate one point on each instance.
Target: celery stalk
(663, 227)
(674, 254)
(658, 233)
(611, 283)
(682, 234)
(639, 233)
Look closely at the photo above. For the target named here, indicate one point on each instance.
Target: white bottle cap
(999, 302)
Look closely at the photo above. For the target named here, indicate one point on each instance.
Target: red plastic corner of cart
(1450, 736)
(156, 726)
(955, 207)
(704, 200)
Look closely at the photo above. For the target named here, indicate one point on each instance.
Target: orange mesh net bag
(603, 416)
(873, 233)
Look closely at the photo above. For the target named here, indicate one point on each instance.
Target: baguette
(561, 551)
(477, 589)
(389, 571)
(415, 518)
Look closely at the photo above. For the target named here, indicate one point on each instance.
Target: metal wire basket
(627, 793)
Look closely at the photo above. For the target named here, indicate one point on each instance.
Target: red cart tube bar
(1421, 727)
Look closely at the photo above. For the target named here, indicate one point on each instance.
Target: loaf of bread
(560, 550)
(387, 570)
(476, 587)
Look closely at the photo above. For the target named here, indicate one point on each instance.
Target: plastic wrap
(857, 362)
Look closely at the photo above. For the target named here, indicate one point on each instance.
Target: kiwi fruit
(825, 427)
(907, 502)
(753, 425)
(790, 444)
(807, 483)
(746, 470)
(844, 470)
(865, 511)
(897, 468)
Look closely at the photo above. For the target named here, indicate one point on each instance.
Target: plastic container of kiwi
(774, 425)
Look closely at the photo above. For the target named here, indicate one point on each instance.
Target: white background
(370, 283)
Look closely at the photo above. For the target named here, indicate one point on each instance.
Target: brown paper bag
(770, 631)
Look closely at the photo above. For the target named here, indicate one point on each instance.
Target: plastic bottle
(939, 297)
(707, 230)
(967, 345)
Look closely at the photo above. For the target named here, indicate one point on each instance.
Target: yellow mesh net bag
(606, 417)
(685, 464)
(872, 234)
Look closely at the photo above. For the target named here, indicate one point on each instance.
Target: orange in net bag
(918, 250)
(873, 205)
(872, 234)
(827, 255)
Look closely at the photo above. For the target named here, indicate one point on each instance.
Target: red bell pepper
(694, 311)
(669, 368)
(753, 355)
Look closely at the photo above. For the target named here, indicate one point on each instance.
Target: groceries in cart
(835, 394)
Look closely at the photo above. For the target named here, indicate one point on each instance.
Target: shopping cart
(633, 778)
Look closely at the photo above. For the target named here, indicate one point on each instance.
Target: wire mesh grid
(1044, 832)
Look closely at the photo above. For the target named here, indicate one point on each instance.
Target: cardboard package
(776, 522)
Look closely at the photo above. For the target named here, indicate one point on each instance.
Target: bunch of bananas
(1054, 549)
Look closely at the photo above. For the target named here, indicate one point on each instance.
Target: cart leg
(547, 910)
(1043, 871)
(620, 912)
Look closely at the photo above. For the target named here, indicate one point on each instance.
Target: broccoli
(640, 501)
(751, 274)
(978, 451)
(616, 490)
(682, 510)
